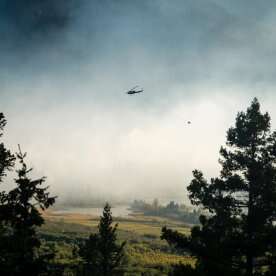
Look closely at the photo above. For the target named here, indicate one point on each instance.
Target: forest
(230, 230)
(170, 210)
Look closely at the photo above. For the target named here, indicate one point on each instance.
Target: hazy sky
(65, 66)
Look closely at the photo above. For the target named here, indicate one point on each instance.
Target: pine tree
(6, 158)
(238, 236)
(20, 216)
(101, 254)
(6, 164)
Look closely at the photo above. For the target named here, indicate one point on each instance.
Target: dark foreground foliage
(238, 237)
(20, 217)
(101, 254)
(185, 270)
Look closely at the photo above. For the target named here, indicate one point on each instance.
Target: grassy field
(146, 252)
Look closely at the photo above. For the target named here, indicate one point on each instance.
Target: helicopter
(134, 90)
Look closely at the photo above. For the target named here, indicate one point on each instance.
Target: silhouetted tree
(6, 164)
(101, 254)
(238, 237)
(20, 216)
(6, 158)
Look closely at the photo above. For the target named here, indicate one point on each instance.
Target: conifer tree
(20, 215)
(6, 158)
(101, 253)
(238, 236)
(6, 164)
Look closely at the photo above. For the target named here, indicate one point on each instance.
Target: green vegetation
(146, 253)
(101, 254)
(171, 210)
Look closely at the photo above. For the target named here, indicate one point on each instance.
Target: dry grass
(141, 225)
(145, 249)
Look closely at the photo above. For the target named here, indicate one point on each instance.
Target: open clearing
(145, 250)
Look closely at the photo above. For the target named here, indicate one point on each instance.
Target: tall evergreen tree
(6, 158)
(238, 236)
(20, 215)
(101, 253)
(6, 164)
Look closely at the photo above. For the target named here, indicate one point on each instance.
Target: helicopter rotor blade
(134, 87)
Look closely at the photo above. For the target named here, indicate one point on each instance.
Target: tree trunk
(250, 214)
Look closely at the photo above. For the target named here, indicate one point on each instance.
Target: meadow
(146, 253)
